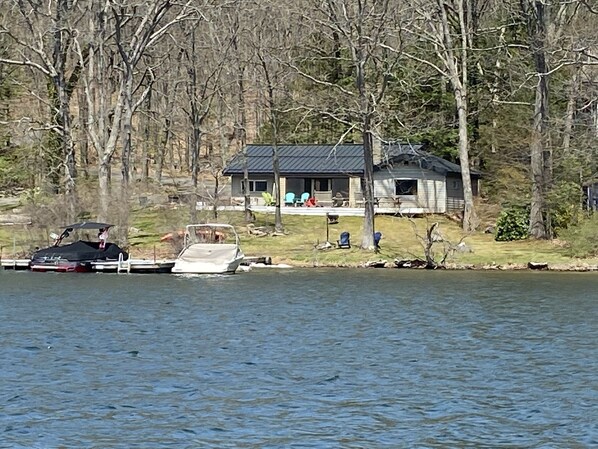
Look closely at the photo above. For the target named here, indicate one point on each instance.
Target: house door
(318, 184)
(322, 184)
(308, 186)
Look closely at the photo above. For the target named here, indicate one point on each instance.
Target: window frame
(413, 183)
(252, 185)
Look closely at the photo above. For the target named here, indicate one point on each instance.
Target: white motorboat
(209, 249)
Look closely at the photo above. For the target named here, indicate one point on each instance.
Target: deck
(321, 211)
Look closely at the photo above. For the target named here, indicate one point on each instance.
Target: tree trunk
(276, 167)
(147, 138)
(126, 133)
(241, 134)
(537, 223)
(104, 190)
(216, 188)
(469, 216)
(570, 112)
(367, 241)
(84, 141)
(540, 161)
(360, 59)
(194, 150)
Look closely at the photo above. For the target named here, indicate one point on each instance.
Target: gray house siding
(237, 189)
(455, 200)
(431, 188)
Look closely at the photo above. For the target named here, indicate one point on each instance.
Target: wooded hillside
(120, 93)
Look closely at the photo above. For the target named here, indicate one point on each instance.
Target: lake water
(299, 359)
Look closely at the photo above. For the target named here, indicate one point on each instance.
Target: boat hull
(61, 267)
(209, 249)
(185, 267)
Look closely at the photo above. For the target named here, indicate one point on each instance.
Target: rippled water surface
(299, 359)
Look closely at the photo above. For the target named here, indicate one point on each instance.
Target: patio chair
(344, 242)
(377, 238)
(268, 200)
(289, 199)
(303, 198)
(338, 200)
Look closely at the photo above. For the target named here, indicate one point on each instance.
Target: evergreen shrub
(512, 224)
(581, 238)
(565, 205)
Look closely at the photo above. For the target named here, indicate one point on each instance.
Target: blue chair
(303, 198)
(344, 242)
(377, 238)
(289, 199)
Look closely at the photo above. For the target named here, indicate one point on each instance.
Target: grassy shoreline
(403, 239)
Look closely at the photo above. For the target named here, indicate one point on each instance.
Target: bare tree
(270, 39)
(110, 122)
(545, 23)
(204, 59)
(447, 28)
(53, 58)
(365, 35)
(238, 26)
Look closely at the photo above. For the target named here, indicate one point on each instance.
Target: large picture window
(405, 187)
(256, 185)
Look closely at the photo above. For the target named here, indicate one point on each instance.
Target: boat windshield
(207, 235)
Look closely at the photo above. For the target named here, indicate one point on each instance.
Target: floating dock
(117, 266)
(133, 266)
(15, 264)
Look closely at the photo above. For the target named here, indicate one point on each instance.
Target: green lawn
(402, 239)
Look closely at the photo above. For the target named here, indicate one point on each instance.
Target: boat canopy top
(88, 225)
(81, 251)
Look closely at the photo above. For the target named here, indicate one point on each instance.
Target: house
(405, 176)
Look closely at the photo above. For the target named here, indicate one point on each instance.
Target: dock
(116, 266)
(15, 264)
(133, 266)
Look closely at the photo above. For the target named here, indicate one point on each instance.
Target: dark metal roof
(397, 153)
(342, 159)
(301, 160)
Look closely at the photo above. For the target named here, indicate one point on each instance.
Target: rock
(323, 246)
(414, 263)
(375, 264)
(489, 230)
(537, 265)
(463, 248)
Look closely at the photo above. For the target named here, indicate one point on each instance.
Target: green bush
(512, 224)
(13, 172)
(565, 205)
(581, 238)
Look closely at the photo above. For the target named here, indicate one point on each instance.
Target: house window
(322, 184)
(256, 186)
(456, 184)
(405, 187)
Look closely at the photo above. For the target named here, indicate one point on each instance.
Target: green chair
(268, 199)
